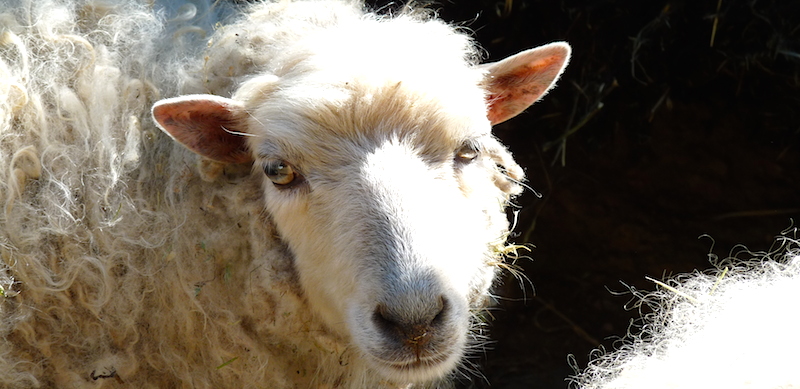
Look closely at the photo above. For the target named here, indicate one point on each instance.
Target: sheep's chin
(412, 370)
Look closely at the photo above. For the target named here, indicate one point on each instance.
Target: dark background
(652, 138)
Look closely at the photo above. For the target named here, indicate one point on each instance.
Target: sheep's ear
(518, 81)
(211, 126)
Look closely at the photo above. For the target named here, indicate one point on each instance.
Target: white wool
(733, 327)
(126, 259)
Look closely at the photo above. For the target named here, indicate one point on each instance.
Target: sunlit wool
(734, 327)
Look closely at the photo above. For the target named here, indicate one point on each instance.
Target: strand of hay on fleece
(732, 327)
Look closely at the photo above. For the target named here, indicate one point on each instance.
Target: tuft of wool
(731, 327)
(108, 229)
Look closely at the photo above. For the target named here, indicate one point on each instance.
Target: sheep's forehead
(324, 124)
(366, 81)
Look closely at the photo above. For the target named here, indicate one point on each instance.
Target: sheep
(308, 196)
(732, 327)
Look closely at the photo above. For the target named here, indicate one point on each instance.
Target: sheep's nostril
(443, 307)
(384, 320)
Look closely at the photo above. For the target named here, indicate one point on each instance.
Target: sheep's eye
(468, 152)
(280, 172)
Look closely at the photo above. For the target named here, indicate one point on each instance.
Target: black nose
(412, 323)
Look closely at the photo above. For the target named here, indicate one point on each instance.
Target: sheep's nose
(412, 323)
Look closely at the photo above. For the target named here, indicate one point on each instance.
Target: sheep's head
(389, 192)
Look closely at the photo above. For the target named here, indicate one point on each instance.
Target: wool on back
(734, 327)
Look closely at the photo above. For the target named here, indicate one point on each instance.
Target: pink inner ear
(518, 81)
(208, 125)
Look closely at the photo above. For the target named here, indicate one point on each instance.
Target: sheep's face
(391, 208)
(390, 195)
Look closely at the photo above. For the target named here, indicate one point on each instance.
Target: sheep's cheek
(319, 273)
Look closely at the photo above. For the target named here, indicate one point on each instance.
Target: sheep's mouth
(424, 368)
(421, 363)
